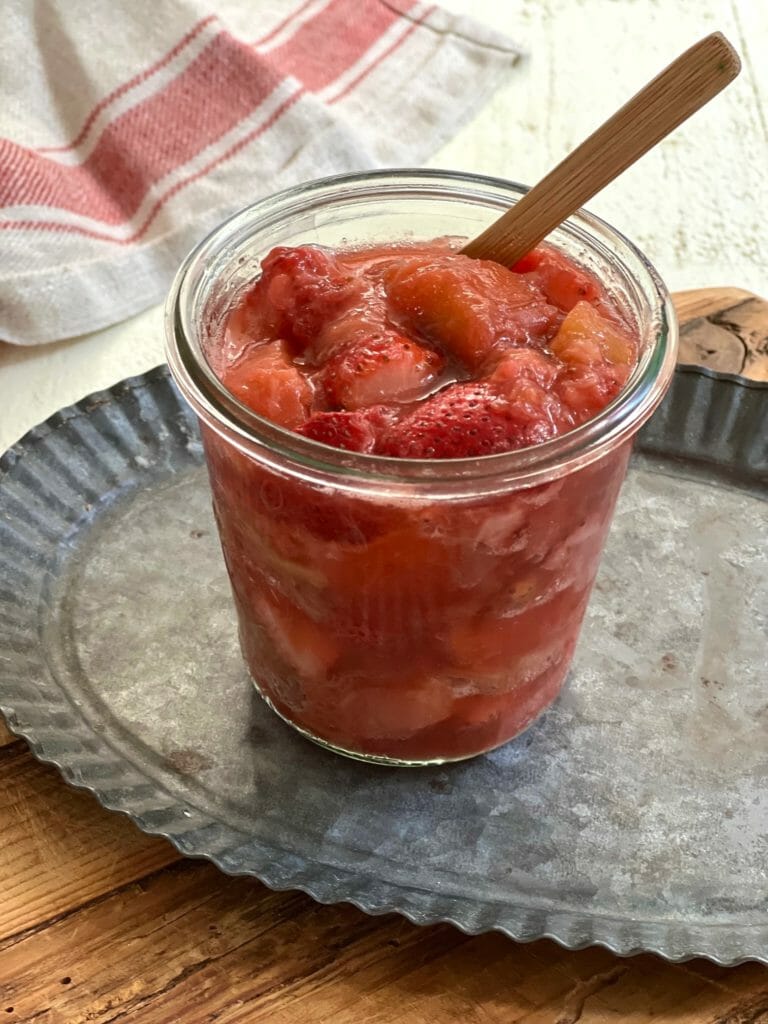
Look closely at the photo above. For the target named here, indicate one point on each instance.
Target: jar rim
(321, 463)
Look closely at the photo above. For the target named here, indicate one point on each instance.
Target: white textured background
(697, 204)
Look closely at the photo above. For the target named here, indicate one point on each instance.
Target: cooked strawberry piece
(490, 644)
(383, 367)
(297, 515)
(267, 382)
(562, 282)
(308, 647)
(524, 364)
(466, 306)
(353, 327)
(349, 430)
(305, 288)
(249, 326)
(388, 711)
(515, 709)
(331, 518)
(586, 390)
(470, 420)
(537, 413)
(389, 559)
(524, 377)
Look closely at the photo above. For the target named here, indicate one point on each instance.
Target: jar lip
(618, 421)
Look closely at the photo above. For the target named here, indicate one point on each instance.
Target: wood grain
(725, 329)
(189, 944)
(696, 77)
(6, 736)
(100, 924)
(49, 863)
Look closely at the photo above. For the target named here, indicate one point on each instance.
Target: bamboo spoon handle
(687, 84)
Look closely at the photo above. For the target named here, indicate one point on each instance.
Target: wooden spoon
(687, 84)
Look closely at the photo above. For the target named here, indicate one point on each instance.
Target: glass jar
(408, 611)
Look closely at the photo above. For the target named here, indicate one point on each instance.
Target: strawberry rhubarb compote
(396, 627)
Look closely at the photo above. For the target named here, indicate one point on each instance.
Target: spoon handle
(687, 84)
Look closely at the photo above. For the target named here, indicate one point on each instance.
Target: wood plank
(6, 736)
(59, 847)
(190, 944)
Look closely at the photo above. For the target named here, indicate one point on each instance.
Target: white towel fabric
(129, 130)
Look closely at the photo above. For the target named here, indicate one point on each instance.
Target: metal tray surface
(633, 814)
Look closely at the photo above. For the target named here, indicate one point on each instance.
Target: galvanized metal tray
(634, 814)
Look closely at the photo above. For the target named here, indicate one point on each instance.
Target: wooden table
(100, 923)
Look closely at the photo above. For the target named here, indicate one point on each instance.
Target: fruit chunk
(562, 282)
(585, 338)
(268, 383)
(383, 367)
(515, 709)
(467, 306)
(393, 711)
(524, 378)
(490, 645)
(308, 647)
(524, 364)
(598, 355)
(470, 420)
(586, 390)
(349, 430)
(248, 325)
(305, 287)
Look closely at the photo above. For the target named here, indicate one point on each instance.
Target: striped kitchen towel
(129, 129)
